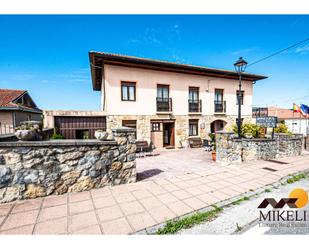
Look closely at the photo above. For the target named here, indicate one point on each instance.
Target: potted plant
(213, 141)
(214, 153)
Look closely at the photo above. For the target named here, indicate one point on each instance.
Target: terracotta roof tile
(7, 96)
(282, 113)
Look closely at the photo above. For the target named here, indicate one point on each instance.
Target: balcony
(220, 106)
(164, 105)
(195, 106)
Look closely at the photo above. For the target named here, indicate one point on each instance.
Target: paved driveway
(170, 163)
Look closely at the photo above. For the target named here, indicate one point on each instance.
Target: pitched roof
(7, 96)
(282, 113)
(98, 59)
(8, 99)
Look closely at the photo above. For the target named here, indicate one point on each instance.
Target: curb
(152, 230)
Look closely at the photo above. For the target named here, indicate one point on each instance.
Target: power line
(255, 62)
(278, 52)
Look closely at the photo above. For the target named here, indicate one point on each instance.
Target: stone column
(126, 164)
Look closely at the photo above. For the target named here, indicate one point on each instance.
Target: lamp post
(240, 66)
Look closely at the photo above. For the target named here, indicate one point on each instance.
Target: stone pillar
(126, 164)
(228, 149)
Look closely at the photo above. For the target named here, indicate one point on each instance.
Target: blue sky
(48, 55)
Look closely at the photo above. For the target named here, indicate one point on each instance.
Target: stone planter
(26, 135)
(29, 131)
(101, 135)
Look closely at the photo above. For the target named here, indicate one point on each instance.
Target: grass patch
(296, 178)
(173, 227)
(237, 202)
(267, 190)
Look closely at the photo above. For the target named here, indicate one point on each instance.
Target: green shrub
(282, 128)
(57, 136)
(253, 129)
(213, 140)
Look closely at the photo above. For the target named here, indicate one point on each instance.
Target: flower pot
(101, 135)
(213, 155)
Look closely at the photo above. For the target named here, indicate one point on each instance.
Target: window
(163, 92)
(241, 97)
(128, 91)
(219, 95)
(164, 103)
(193, 94)
(193, 127)
(219, 102)
(130, 124)
(155, 126)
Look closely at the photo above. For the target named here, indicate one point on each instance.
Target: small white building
(295, 122)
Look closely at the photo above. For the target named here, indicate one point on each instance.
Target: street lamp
(240, 66)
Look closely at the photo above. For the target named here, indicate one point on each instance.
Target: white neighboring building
(298, 125)
(295, 122)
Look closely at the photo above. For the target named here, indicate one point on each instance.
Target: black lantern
(240, 66)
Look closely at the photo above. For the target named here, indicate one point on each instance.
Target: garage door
(79, 127)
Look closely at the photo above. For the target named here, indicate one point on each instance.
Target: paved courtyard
(170, 163)
(130, 208)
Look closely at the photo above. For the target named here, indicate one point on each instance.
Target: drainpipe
(14, 119)
(103, 88)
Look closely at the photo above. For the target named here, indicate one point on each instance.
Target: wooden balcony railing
(6, 129)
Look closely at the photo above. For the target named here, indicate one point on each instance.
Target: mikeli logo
(286, 208)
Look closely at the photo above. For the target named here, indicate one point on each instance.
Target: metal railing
(220, 106)
(164, 104)
(195, 105)
(6, 129)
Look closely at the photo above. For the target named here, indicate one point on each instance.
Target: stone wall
(33, 169)
(230, 149)
(259, 149)
(143, 129)
(290, 145)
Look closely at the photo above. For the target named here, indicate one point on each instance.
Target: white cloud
(80, 75)
(303, 50)
(244, 51)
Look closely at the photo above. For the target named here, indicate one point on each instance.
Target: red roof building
(16, 106)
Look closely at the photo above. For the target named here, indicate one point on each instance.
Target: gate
(79, 127)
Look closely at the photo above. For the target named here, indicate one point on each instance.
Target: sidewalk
(230, 221)
(131, 208)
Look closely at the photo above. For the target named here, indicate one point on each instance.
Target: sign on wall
(259, 112)
(268, 122)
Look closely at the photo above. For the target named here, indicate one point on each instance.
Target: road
(243, 218)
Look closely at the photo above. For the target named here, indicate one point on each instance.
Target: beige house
(16, 106)
(168, 102)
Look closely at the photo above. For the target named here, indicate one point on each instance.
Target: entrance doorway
(168, 134)
(217, 125)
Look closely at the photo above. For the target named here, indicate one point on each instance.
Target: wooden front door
(168, 134)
